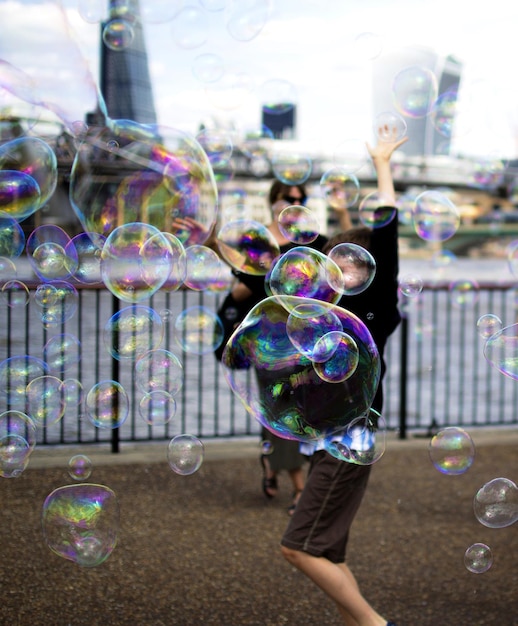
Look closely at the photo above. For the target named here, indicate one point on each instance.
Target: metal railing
(437, 374)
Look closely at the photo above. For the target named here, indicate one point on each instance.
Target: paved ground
(204, 548)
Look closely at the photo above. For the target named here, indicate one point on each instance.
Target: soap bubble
(298, 224)
(178, 263)
(501, 351)
(452, 451)
(46, 253)
(167, 176)
(291, 168)
(286, 395)
(307, 324)
(203, 267)
(61, 351)
(266, 447)
(464, 293)
(357, 265)
(16, 373)
(17, 441)
(496, 503)
(198, 330)
(435, 216)
(45, 295)
(305, 272)
(389, 126)
(45, 401)
(367, 46)
(342, 357)
(15, 294)
(217, 144)
(79, 467)
(72, 391)
(488, 325)
(12, 237)
(190, 28)
(157, 408)
(64, 305)
(478, 558)
(185, 454)
(340, 188)
(410, 285)
(208, 67)
(362, 442)
(118, 34)
(248, 246)
(19, 195)
(444, 111)
(80, 523)
(107, 404)
(245, 19)
(83, 257)
(376, 210)
(414, 90)
(159, 370)
(133, 331)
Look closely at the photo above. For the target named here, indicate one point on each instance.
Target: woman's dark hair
(360, 235)
(278, 190)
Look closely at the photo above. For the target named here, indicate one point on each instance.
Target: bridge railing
(437, 374)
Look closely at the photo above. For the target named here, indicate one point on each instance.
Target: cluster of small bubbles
(361, 442)
(389, 126)
(414, 91)
(444, 111)
(496, 503)
(464, 293)
(478, 558)
(133, 331)
(81, 522)
(500, 350)
(291, 168)
(340, 188)
(278, 96)
(299, 224)
(190, 28)
(435, 216)
(488, 325)
(17, 441)
(198, 330)
(208, 67)
(266, 447)
(79, 467)
(12, 238)
(248, 246)
(375, 210)
(15, 294)
(157, 408)
(357, 265)
(452, 451)
(410, 285)
(159, 370)
(61, 351)
(185, 454)
(45, 401)
(107, 404)
(203, 267)
(305, 272)
(287, 396)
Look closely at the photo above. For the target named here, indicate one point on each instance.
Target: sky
(321, 52)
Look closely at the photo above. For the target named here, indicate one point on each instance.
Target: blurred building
(281, 120)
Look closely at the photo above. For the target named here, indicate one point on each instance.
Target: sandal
(269, 484)
(292, 507)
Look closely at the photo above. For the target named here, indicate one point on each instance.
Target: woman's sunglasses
(294, 199)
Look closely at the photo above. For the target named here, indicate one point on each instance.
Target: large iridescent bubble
(17, 441)
(501, 350)
(496, 503)
(81, 522)
(287, 395)
(248, 246)
(162, 176)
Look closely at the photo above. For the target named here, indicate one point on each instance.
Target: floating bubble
(362, 442)
(389, 126)
(245, 19)
(72, 391)
(342, 358)
(287, 396)
(17, 441)
(164, 175)
(135, 261)
(45, 295)
(16, 373)
(443, 259)
(46, 253)
(410, 285)
(61, 351)
(79, 467)
(464, 293)
(298, 224)
(435, 216)
(20, 195)
(367, 46)
(133, 331)
(291, 169)
(488, 325)
(444, 112)
(256, 142)
(118, 34)
(107, 404)
(15, 294)
(190, 28)
(185, 454)
(8, 270)
(208, 67)
(357, 266)
(159, 370)
(203, 267)
(501, 351)
(305, 272)
(478, 558)
(81, 522)
(198, 330)
(307, 324)
(376, 210)
(496, 503)
(452, 451)
(340, 188)
(157, 408)
(414, 90)
(45, 400)
(92, 11)
(248, 246)
(12, 238)
(266, 447)
(278, 96)
(64, 306)
(178, 264)
(217, 144)
(83, 257)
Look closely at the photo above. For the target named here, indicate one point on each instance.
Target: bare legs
(338, 582)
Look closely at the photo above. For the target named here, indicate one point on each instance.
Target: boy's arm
(381, 154)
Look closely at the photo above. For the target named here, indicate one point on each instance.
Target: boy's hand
(383, 149)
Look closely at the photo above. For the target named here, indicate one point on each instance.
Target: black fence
(437, 374)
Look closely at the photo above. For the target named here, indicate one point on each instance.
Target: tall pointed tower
(124, 74)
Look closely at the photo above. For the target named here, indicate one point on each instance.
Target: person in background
(316, 538)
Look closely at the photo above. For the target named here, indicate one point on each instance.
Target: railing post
(403, 377)
(115, 376)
